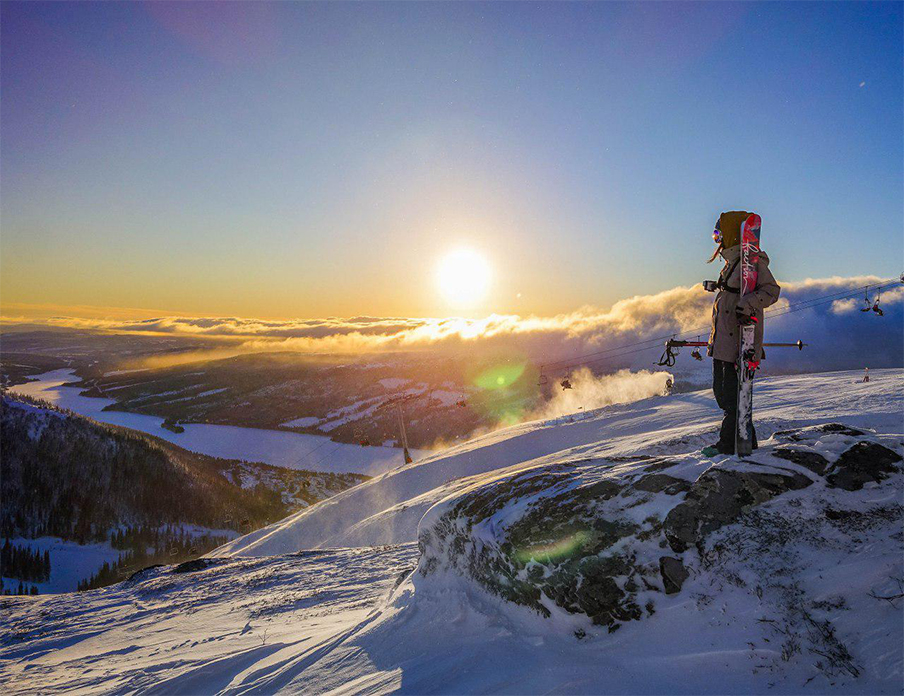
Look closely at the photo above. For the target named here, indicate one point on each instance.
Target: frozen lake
(292, 450)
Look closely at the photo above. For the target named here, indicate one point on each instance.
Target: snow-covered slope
(387, 508)
(544, 575)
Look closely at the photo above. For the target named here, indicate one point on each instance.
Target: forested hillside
(69, 477)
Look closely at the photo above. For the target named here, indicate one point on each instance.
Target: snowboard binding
(749, 364)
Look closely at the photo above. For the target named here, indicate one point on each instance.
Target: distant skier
(729, 312)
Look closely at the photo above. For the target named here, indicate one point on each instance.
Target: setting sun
(463, 277)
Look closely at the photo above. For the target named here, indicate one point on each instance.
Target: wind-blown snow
(387, 509)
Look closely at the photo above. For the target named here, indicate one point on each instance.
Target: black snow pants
(725, 387)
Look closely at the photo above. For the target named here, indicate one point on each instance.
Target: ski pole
(672, 343)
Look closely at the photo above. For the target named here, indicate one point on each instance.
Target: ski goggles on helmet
(717, 232)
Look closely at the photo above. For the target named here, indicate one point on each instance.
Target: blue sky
(318, 159)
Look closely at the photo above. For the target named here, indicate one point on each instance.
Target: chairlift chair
(868, 306)
(876, 308)
(695, 353)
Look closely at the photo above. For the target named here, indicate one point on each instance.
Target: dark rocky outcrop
(662, 483)
(840, 429)
(194, 565)
(719, 497)
(862, 463)
(673, 574)
(560, 546)
(589, 535)
(813, 461)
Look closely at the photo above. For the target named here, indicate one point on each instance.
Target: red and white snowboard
(748, 362)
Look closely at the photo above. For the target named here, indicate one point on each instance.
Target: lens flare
(499, 376)
(553, 551)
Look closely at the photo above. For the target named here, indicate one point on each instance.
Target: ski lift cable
(623, 350)
(309, 452)
(882, 285)
(807, 304)
(323, 458)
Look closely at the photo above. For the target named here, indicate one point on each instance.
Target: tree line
(19, 562)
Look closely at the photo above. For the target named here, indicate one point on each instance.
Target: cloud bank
(840, 336)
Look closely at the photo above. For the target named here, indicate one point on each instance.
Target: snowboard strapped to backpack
(748, 361)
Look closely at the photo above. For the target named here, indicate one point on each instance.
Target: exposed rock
(662, 483)
(673, 574)
(807, 433)
(862, 463)
(138, 574)
(719, 497)
(194, 565)
(559, 544)
(588, 535)
(841, 429)
(660, 464)
(813, 461)
(589, 587)
(791, 435)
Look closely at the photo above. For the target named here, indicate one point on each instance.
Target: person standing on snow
(729, 312)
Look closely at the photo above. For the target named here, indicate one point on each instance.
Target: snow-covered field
(287, 449)
(192, 633)
(812, 609)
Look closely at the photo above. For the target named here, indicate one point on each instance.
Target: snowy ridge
(387, 509)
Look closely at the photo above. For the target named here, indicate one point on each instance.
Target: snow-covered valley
(286, 449)
(600, 555)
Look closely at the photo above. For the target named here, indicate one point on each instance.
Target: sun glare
(463, 277)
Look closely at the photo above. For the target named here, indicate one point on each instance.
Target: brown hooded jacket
(724, 337)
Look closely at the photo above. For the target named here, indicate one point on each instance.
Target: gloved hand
(745, 317)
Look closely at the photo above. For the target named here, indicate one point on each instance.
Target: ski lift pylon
(543, 379)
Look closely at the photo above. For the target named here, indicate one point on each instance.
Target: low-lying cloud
(839, 335)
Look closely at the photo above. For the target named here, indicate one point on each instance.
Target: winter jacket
(724, 337)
